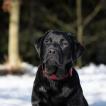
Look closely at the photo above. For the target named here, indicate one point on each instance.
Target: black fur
(59, 92)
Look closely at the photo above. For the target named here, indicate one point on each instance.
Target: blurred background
(23, 21)
(85, 18)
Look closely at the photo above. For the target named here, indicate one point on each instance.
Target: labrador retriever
(57, 82)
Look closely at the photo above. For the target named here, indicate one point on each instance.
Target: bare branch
(53, 19)
(92, 15)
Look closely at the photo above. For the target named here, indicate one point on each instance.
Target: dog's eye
(64, 43)
(47, 41)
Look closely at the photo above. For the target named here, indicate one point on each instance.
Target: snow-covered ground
(16, 90)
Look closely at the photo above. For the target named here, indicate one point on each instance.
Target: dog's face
(58, 49)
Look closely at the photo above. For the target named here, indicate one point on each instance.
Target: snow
(93, 81)
(16, 90)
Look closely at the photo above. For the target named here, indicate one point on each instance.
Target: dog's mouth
(50, 70)
(54, 73)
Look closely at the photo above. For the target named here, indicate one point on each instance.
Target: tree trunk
(13, 47)
(79, 25)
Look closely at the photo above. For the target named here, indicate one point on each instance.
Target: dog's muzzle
(53, 57)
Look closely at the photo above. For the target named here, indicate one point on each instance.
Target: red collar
(54, 77)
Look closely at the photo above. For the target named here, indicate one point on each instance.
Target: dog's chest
(50, 89)
(55, 91)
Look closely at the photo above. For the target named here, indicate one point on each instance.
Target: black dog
(57, 83)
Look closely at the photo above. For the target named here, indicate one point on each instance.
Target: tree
(82, 24)
(79, 24)
(13, 7)
(13, 49)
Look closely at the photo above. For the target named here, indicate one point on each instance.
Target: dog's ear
(38, 45)
(77, 48)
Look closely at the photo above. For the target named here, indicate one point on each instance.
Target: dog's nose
(51, 51)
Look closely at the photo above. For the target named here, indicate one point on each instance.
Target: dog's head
(57, 49)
